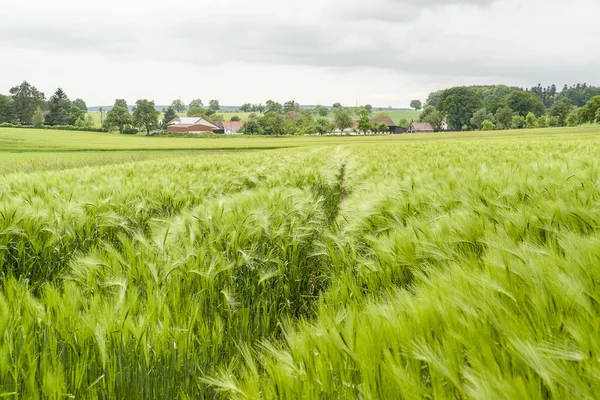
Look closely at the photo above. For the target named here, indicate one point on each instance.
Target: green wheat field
(447, 266)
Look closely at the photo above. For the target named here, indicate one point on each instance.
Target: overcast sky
(382, 52)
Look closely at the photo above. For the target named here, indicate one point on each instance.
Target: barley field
(431, 266)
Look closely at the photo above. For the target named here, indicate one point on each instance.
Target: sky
(379, 52)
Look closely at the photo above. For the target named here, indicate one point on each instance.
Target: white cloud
(318, 51)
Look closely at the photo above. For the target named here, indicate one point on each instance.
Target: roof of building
(386, 120)
(422, 126)
(191, 121)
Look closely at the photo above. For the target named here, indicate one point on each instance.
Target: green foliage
(169, 115)
(380, 127)
(76, 114)
(404, 123)
(518, 122)
(552, 121)
(178, 106)
(121, 103)
(530, 121)
(117, 118)
(436, 119)
(524, 103)
(487, 125)
(504, 118)
(458, 105)
(274, 107)
(364, 122)
(197, 103)
(542, 122)
(214, 106)
(367, 107)
(561, 110)
(416, 104)
(235, 118)
(196, 112)
(59, 109)
(589, 111)
(38, 118)
(26, 99)
(145, 115)
(573, 118)
(479, 116)
(7, 111)
(252, 127)
(79, 103)
(291, 106)
(323, 126)
(322, 111)
(343, 120)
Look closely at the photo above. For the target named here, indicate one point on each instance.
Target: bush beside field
(430, 268)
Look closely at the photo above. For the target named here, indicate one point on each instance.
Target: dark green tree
(145, 115)
(121, 103)
(590, 110)
(252, 127)
(322, 126)
(458, 105)
(524, 103)
(59, 109)
(504, 118)
(119, 117)
(80, 104)
(416, 104)
(75, 114)
(561, 110)
(169, 115)
(26, 99)
(7, 110)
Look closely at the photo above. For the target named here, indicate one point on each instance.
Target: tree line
(503, 107)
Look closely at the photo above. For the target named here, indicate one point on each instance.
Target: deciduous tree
(364, 123)
(7, 111)
(26, 99)
(196, 104)
(458, 105)
(504, 118)
(118, 117)
(178, 106)
(343, 120)
(214, 106)
(416, 104)
(38, 118)
(145, 115)
(121, 103)
(273, 106)
(79, 103)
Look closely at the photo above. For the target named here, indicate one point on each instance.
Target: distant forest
(497, 107)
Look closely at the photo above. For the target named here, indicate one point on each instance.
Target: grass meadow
(459, 265)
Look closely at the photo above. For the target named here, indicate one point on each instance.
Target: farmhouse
(193, 125)
(392, 127)
(419, 127)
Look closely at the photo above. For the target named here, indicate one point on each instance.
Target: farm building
(419, 127)
(392, 127)
(233, 127)
(193, 125)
